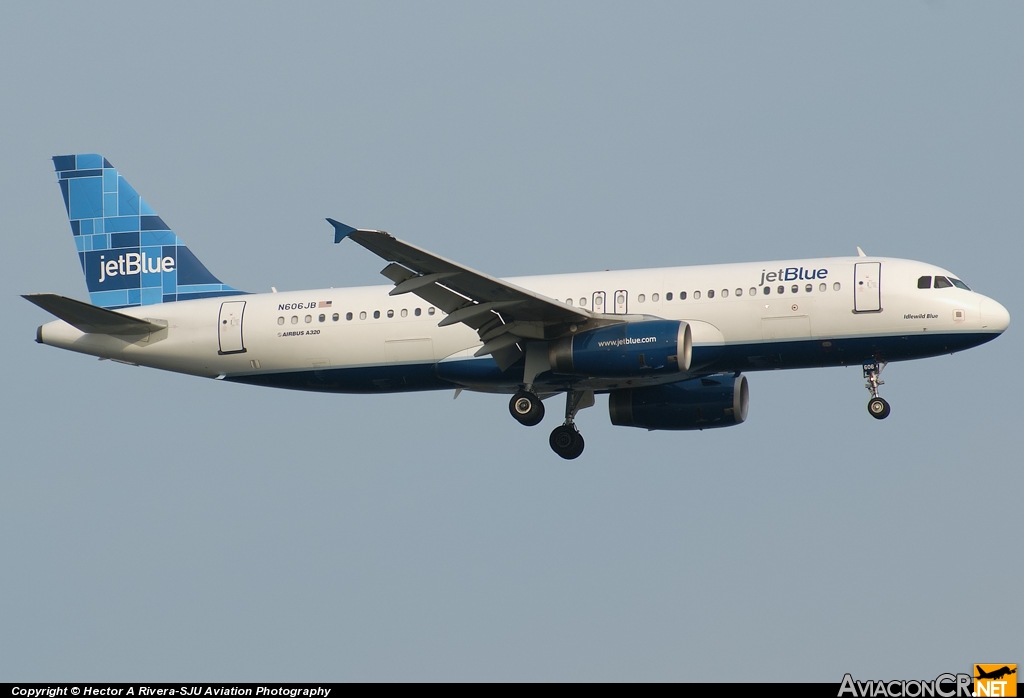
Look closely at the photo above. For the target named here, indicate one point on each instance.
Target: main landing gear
(566, 439)
(877, 407)
(526, 408)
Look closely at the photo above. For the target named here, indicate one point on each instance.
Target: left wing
(503, 314)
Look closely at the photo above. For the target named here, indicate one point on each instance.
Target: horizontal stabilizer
(92, 319)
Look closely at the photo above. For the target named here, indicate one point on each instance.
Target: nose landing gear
(566, 439)
(877, 406)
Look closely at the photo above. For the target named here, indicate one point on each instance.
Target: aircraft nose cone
(994, 316)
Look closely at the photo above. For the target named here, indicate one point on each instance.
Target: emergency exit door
(867, 290)
(229, 326)
(621, 298)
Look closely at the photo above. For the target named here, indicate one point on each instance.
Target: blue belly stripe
(760, 356)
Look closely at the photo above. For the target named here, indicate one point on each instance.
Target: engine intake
(646, 348)
(714, 401)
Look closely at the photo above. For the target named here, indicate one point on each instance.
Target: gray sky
(162, 527)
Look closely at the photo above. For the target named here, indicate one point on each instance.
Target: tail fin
(129, 255)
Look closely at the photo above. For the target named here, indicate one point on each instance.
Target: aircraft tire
(878, 408)
(527, 408)
(566, 441)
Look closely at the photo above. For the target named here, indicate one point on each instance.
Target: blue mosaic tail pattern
(129, 255)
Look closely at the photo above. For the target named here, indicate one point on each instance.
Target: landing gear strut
(566, 439)
(526, 408)
(877, 407)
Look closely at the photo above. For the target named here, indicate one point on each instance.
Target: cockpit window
(942, 282)
(959, 284)
(924, 282)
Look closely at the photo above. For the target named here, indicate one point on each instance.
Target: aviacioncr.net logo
(943, 686)
(995, 680)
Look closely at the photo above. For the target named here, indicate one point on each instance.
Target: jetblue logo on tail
(133, 263)
(129, 255)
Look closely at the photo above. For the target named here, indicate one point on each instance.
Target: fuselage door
(598, 304)
(867, 290)
(621, 298)
(229, 327)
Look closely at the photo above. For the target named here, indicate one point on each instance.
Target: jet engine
(718, 400)
(645, 348)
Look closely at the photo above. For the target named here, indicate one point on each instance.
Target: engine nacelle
(701, 403)
(645, 348)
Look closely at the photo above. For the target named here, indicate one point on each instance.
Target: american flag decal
(324, 304)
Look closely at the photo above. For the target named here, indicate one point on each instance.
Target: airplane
(996, 674)
(668, 345)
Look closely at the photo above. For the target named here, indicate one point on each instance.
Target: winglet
(341, 231)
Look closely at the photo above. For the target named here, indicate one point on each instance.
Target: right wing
(503, 314)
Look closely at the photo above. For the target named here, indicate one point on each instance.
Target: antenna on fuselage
(860, 252)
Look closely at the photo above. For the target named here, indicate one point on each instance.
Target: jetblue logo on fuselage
(792, 274)
(133, 263)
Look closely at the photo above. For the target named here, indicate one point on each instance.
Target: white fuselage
(829, 311)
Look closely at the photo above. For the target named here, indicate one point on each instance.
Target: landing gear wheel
(566, 441)
(878, 408)
(526, 408)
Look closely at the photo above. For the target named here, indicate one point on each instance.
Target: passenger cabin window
(362, 314)
(654, 298)
(836, 286)
(782, 289)
(641, 298)
(668, 296)
(924, 282)
(753, 291)
(696, 295)
(767, 290)
(405, 312)
(322, 317)
(391, 313)
(430, 311)
(711, 294)
(348, 316)
(417, 312)
(280, 320)
(336, 317)
(809, 288)
(682, 295)
(822, 287)
(376, 315)
(583, 302)
(739, 292)
(942, 282)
